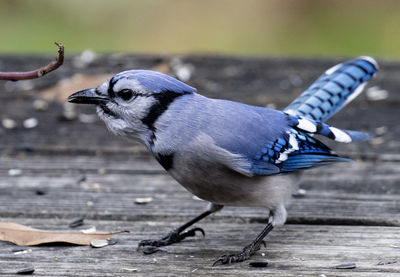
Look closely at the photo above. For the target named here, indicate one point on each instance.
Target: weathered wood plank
(351, 197)
(324, 227)
(62, 135)
(292, 250)
(253, 81)
(378, 177)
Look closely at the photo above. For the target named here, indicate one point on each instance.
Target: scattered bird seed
(40, 105)
(9, 123)
(40, 191)
(346, 266)
(84, 59)
(25, 251)
(69, 111)
(385, 262)
(19, 249)
(130, 269)
(98, 243)
(299, 193)
(377, 141)
(87, 118)
(90, 230)
(112, 242)
(82, 179)
(143, 200)
(182, 70)
(295, 80)
(22, 85)
(30, 123)
(14, 172)
(101, 171)
(76, 222)
(381, 130)
(271, 106)
(376, 93)
(96, 186)
(26, 271)
(259, 264)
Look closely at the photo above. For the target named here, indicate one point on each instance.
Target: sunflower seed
(40, 105)
(258, 264)
(9, 123)
(30, 123)
(76, 222)
(98, 243)
(384, 262)
(14, 172)
(26, 271)
(143, 200)
(346, 266)
(19, 249)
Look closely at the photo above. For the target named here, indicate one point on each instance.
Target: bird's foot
(173, 237)
(247, 252)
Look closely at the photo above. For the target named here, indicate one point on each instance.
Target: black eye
(125, 94)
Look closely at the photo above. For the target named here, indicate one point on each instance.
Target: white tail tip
(371, 60)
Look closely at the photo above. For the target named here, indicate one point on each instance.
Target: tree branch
(15, 76)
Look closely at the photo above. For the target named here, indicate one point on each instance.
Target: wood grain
(350, 213)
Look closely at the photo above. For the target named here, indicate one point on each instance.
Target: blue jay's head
(131, 101)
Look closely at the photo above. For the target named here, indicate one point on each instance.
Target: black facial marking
(166, 161)
(163, 100)
(106, 110)
(111, 92)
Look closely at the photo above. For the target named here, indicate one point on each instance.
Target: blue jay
(225, 152)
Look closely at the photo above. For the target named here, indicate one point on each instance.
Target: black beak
(88, 96)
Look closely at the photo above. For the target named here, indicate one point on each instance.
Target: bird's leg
(248, 251)
(179, 233)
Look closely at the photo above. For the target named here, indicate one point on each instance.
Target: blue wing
(272, 141)
(334, 89)
(296, 150)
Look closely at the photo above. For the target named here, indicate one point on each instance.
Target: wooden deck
(350, 213)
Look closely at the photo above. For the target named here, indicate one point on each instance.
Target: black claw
(223, 259)
(149, 249)
(192, 232)
(247, 252)
(151, 246)
(264, 243)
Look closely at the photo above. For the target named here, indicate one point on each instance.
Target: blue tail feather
(334, 89)
(309, 160)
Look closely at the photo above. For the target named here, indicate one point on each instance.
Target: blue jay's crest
(334, 89)
(154, 81)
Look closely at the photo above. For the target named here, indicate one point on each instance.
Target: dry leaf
(26, 236)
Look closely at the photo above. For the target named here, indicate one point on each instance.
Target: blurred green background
(246, 27)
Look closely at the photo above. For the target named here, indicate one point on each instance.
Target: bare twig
(15, 76)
